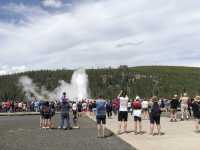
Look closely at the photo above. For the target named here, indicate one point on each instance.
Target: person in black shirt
(196, 111)
(173, 106)
(79, 106)
(155, 116)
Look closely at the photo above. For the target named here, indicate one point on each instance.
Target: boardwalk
(178, 136)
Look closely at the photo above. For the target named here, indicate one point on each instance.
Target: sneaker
(171, 120)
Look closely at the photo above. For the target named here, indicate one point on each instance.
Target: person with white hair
(184, 106)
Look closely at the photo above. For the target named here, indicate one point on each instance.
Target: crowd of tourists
(148, 109)
(22, 106)
(102, 108)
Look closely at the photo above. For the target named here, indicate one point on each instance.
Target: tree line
(145, 81)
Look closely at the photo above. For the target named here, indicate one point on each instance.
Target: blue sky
(53, 34)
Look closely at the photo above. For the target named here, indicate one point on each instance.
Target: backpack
(156, 111)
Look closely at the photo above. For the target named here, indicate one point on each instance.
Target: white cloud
(52, 3)
(105, 33)
(10, 70)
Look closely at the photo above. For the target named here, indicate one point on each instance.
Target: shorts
(155, 119)
(196, 115)
(101, 119)
(46, 116)
(42, 114)
(144, 109)
(173, 110)
(123, 116)
(136, 118)
(184, 107)
(75, 114)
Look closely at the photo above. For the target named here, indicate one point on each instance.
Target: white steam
(76, 90)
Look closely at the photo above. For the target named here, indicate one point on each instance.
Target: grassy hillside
(144, 81)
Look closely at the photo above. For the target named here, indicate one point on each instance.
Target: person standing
(155, 116)
(63, 98)
(79, 106)
(75, 115)
(46, 115)
(137, 115)
(123, 111)
(145, 109)
(101, 116)
(109, 109)
(196, 111)
(65, 109)
(184, 106)
(174, 106)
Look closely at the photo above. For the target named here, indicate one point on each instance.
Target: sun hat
(137, 97)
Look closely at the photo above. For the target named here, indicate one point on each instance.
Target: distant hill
(144, 81)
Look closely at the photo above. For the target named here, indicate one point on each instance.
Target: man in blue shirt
(101, 115)
(65, 109)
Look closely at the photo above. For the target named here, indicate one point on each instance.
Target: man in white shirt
(123, 111)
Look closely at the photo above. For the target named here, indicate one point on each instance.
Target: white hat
(137, 97)
(185, 94)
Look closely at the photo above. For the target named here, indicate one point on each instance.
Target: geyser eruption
(80, 83)
(77, 89)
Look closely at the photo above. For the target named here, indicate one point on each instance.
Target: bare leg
(171, 117)
(140, 126)
(187, 113)
(40, 122)
(151, 128)
(158, 128)
(98, 130)
(125, 126)
(175, 116)
(103, 130)
(182, 112)
(120, 125)
(196, 124)
(135, 126)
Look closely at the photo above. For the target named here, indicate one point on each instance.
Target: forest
(144, 81)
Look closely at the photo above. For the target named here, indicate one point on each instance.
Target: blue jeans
(65, 117)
